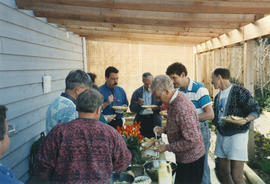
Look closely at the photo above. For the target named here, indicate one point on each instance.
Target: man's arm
(47, 156)
(208, 113)
(249, 105)
(108, 102)
(134, 103)
(121, 154)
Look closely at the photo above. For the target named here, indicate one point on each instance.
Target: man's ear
(77, 90)
(183, 75)
(98, 111)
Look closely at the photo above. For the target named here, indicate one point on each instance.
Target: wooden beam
(137, 36)
(159, 32)
(251, 31)
(157, 28)
(223, 7)
(71, 24)
(76, 16)
(119, 14)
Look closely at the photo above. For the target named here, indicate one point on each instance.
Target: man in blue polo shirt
(199, 96)
(113, 96)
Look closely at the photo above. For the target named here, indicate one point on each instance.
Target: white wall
(29, 49)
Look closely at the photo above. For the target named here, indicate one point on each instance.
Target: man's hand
(110, 99)
(158, 130)
(109, 118)
(140, 101)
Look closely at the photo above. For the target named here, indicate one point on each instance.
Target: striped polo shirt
(198, 94)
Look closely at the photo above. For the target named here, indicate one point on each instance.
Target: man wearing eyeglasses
(113, 96)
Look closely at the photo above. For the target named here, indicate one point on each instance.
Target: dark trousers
(116, 122)
(190, 173)
(147, 125)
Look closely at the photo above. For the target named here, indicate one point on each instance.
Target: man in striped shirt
(199, 96)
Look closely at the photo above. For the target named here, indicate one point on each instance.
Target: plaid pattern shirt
(82, 151)
(183, 130)
(239, 103)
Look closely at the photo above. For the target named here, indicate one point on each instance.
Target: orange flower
(131, 130)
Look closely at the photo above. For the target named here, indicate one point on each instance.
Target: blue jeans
(206, 140)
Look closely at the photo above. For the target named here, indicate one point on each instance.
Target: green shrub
(263, 99)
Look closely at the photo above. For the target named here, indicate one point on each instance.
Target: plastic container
(165, 173)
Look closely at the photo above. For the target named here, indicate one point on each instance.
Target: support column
(248, 77)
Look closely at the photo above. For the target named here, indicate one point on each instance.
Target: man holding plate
(234, 109)
(114, 96)
(146, 107)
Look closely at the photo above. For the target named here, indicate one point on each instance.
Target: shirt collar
(174, 96)
(68, 97)
(190, 84)
(144, 90)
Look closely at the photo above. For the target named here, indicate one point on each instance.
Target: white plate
(149, 106)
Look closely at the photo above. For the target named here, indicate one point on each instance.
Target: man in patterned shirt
(199, 96)
(63, 108)
(232, 139)
(183, 131)
(84, 150)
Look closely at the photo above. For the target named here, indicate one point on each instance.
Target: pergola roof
(168, 21)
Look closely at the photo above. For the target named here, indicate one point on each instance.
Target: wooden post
(248, 77)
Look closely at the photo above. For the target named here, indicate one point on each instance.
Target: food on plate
(120, 109)
(235, 119)
(163, 113)
(148, 143)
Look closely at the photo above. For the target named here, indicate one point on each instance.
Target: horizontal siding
(16, 32)
(29, 49)
(15, 47)
(21, 19)
(18, 78)
(20, 93)
(27, 63)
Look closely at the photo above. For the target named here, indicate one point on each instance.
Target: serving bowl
(151, 168)
(142, 180)
(121, 178)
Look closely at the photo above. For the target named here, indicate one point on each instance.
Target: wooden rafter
(107, 13)
(173, 28)
(105, 35)
(251, 31)
(191, 6)
(193, 21)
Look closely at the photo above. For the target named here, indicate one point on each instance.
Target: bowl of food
(119, 109)
(151, 168)
(121, 178)
(142, 180)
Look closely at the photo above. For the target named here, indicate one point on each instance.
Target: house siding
(29, 49)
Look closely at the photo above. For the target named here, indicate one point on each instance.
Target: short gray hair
(161, 83)
(89, 100)
(146, 75)
(77, 78)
